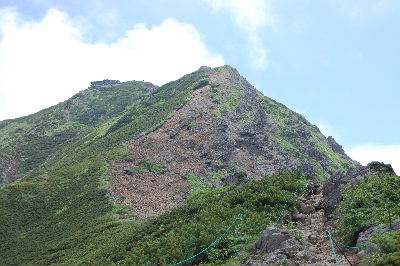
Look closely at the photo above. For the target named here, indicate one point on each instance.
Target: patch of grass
(196, 183)
(217, 96)
(152, 166)
(134, 171)
(215, 85)
(223, 68)
(389, 243)
(199, 84)
(217, 114)
(297, 136)
(248, 118)
(118, 153)
(192, 126)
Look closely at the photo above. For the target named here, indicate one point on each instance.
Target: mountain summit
(226, 127)
(132, 149)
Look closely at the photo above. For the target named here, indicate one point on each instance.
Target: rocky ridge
(333, 187)
(225, 128)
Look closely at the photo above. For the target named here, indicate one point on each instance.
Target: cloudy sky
(337, 62)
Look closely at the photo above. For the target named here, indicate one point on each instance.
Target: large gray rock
(279, 245)
(380, 229)
(365, 236)
(306, 209)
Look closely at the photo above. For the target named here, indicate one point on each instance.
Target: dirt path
(314, 231)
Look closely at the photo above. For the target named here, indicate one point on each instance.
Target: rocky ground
(307, 246)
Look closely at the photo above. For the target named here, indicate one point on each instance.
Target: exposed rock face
(335, 146)
(10, 171)
(278, 245)
(332, 190)
(227, 127)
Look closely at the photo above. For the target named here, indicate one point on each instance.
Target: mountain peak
(225, 127)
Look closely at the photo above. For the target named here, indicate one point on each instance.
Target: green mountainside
(58, 206)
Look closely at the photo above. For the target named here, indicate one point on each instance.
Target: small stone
(306, 209)
(313, 239)
(300, 218)
(331, 260)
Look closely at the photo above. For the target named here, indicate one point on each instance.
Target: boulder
(279, 245)
(365, 236)
(306, 209)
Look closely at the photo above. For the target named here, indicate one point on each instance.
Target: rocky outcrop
(10, 172)
(332, 190)
(278, 245)
(335, 146)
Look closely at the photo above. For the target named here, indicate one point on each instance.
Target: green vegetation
(62, 203)
(34, 139)
(163, 240)
(248, 118)
(196, 183)
(229, 100)
(390, 250)
(223, 68)
(152, 166)
(199, 84)
(295, 133)
(368, 203)
(134, 171)
(217, 95)
(192, 126)
(233, 101)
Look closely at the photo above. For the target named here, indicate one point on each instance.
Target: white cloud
(358, 10)
(248, 14)
(384, 153)
(251, 16)
(45, 62)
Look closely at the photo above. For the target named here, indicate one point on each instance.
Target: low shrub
(370, 202)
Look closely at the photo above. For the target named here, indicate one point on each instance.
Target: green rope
(213, 243)
(329, 235)
(346, 246)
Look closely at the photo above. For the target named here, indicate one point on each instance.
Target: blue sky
(334, 61)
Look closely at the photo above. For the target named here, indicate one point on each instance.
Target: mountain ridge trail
(314, 232)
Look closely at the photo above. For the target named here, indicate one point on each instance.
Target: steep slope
(226, 127)
(68, 191)
(27, 142)
(148, 148)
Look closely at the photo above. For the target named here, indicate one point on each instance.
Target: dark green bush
(369, 203)
(390, 246)
(152, 166)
